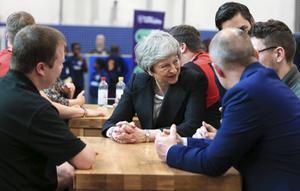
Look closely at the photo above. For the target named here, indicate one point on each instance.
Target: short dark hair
(114, 49)
(276, 33)
(16, 21)
(34, 44)
(74, 44)
(187, 34)
(230, 9)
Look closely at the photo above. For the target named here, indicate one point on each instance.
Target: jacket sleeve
(124, 110)
(200, 143)
(239, 133)
(195, 108)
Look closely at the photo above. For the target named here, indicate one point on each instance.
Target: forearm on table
(66, 112)
(151, 138)
(73, 102)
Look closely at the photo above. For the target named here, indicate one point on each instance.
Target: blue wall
(121, 36)
(86, 35)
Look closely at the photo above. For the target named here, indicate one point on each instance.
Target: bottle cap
(121, 78)
(103, 78)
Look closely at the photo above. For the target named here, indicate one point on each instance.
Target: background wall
(120, 12)
(261, 10)
(82, 20)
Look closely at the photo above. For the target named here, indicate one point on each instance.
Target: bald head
(100, 37)
(231, 48)
(100, 42)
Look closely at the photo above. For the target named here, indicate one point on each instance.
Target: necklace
(159, 90)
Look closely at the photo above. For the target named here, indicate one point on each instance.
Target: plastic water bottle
(120, 86)
(102, 92)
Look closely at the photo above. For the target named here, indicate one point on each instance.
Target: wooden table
(137, 167)
(90, 126)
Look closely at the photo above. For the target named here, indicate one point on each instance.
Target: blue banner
(144, 23)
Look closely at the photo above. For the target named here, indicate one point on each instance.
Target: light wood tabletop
(90, 126)
(137, 167)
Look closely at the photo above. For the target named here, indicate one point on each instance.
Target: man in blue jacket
(260, 130)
